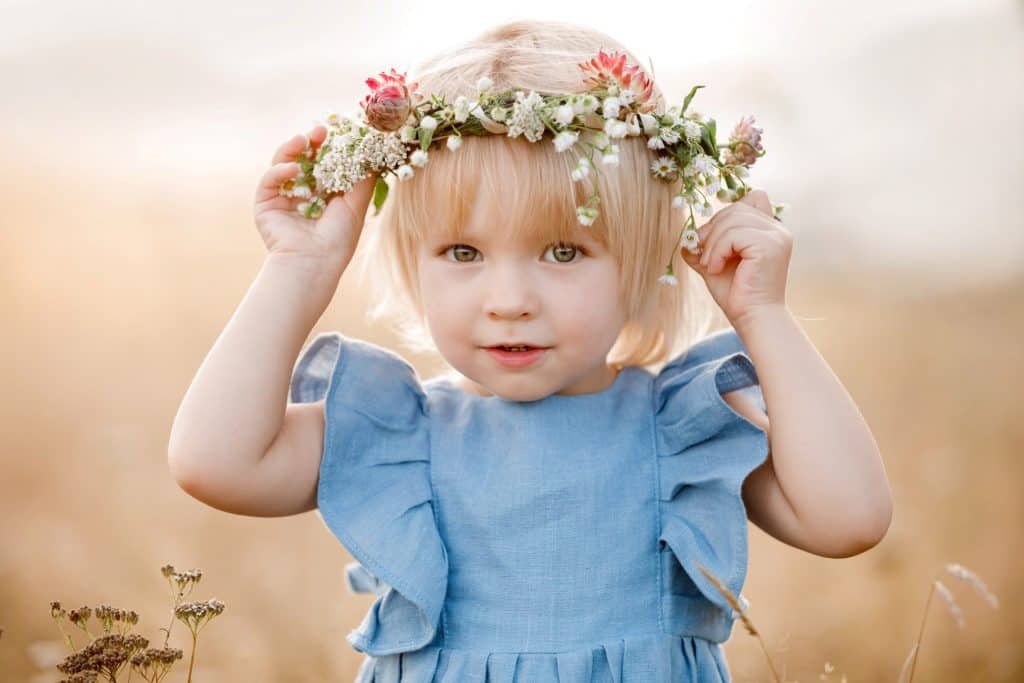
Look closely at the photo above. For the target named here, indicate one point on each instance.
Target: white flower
(565, 140)
(669, 135)
(565, 114)
(526, 119)
(499, 114)
(650, 124)
(586, 215)
(691, 130)
(678, 202)
(655, 143)
(691, 240)
(627, 96)
(407, 134)
(632, 127)
(705, 210)
(697, 116)
(667, 279)
(613, 89)
(404, 172)
(582, 169)
(585, 105)
(704, 164)
(428, 123)
(741, 171)
(461, 108)
(664, 166)
(615, 128)
(714, 186)
(454, 142)
(611, 158)
(418, 158)
(600, 140)
(610, 107)
(484, 84)
(673, 116)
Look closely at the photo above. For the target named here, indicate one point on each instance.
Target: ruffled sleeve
(374, 491)
(705, 452)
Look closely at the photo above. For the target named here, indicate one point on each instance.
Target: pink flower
(611, 69)
(388, 105)
(744, 143)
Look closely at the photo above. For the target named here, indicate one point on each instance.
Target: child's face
(490, 288)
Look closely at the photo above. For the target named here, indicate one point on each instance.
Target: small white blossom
(669, 135)
(586, 215)
(697, 116)
(565, 140)
(691, 130)
(407, 134)
(668, 279)
(714, 186)
(615, 128)
(526, 119)
(678, 202)
(627, 96)
(428, 123)
(705, 210)
(600, 140)
(704, 164)
(499, 114)
(613, 89)
(632, 127)
(664, 166)
(404, 172)
(454, 142)
(484, 84)
(610, 107)
(462, 107)
(691, 241)
(586, 105)
(650, 124)
(611, 158)
(565, 114)
(582, 169)
(672, 115)
(655, 143)
(418, 158)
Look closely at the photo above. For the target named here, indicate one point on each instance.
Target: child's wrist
(757, 315)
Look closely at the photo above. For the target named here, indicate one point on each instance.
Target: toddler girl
(546, 509)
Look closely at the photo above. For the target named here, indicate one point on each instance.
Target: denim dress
(547, 541)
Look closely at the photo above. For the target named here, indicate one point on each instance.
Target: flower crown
(397, 125)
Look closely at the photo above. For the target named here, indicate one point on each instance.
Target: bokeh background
(133, 135)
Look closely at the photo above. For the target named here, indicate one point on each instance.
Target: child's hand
(285, 231)
(745, 256)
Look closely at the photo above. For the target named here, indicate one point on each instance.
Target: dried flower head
(195, 615)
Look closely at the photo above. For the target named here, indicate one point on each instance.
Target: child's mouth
(516, 356)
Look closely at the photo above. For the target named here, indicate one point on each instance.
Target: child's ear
(759, 200)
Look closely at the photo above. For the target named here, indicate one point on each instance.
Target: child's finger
(270, 184)
(759, 200)
(290, 149)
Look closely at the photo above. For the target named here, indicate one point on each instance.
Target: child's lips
(516, 359)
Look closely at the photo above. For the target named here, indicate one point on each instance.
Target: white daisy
(664, 166)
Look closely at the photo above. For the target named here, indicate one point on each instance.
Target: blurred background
(133, 136)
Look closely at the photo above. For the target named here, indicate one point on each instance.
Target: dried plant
(962, 573)
(117, 649)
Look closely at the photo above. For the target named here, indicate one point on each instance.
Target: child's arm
(823, 487)
(236, 444)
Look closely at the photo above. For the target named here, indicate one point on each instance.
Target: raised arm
(236, 443)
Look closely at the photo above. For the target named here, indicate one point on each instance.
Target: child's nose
(510, 294)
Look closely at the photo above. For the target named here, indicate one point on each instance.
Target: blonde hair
(533, 184)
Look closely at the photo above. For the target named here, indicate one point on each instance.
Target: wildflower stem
(920, 632)
(192, 659)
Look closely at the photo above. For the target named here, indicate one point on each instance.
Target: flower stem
(192, 659)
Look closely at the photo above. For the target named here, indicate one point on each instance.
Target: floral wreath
(397, 125)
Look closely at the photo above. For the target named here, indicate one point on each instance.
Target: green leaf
(425, 137)
(380, 193)
(689, 96)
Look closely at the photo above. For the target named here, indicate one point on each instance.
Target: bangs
(520, 189)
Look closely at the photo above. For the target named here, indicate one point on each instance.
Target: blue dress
(545, 541)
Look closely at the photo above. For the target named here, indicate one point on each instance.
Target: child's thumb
(355, 201)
